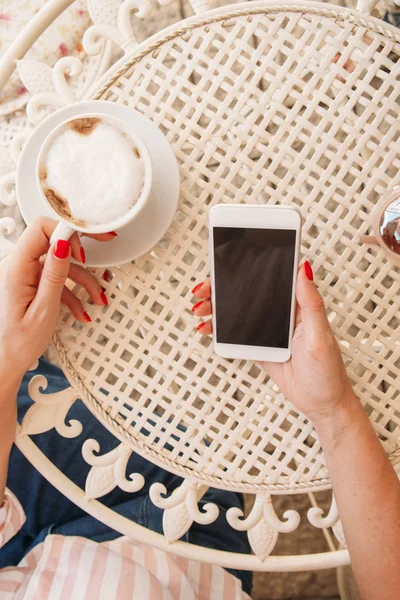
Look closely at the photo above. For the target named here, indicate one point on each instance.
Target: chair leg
(346, 584)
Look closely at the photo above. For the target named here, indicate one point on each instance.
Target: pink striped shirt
(61, 568)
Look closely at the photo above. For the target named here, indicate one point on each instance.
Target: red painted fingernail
(103, 288)
(106, 276)
(200, 326)
(83, 255)
(308, 270)
(113, 233)
(197, 305)
(196, 289)
(88, 319)
(62, 249)
(104, 298)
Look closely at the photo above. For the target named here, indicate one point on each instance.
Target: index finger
(102, 237)
(35, 241)
(203, 289)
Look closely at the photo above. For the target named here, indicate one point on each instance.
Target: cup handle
(61, 232)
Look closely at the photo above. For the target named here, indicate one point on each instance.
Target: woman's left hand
(32, 291)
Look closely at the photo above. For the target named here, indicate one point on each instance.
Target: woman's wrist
(10, 381)
(346, 419)
(9, 387)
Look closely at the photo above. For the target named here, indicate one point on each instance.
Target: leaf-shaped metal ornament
(176, 522)
(262, 539)
(100, 481)
(104, 12)
(262, 524)
(36, 76)
(113, 20)
(181, 507)
(49, 410)
(108, 470)
(39, 419)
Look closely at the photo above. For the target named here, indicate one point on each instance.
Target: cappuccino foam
(92, 172)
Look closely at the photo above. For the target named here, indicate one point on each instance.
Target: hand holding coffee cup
(93, 174)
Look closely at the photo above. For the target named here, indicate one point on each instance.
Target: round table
(259, 105)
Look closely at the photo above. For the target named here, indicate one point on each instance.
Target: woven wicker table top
(256, 111)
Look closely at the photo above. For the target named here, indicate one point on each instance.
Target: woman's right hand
(314, 378)
(32, 291)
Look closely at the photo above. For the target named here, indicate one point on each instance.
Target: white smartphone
(254, 255)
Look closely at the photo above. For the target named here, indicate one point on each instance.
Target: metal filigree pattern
(49, 86)
(108, 470)
(112, 20)
(262, 524)
(50, 410)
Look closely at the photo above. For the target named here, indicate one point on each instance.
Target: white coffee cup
(66, 228)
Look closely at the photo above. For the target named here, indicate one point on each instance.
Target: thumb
(54, 274)
(311, 304)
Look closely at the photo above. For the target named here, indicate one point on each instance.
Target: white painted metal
(125, 526)
(236, 25)
(29, 35)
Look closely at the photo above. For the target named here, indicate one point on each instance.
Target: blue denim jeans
(48, 511)
(393, 16)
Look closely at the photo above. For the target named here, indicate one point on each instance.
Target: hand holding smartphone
(254, 253)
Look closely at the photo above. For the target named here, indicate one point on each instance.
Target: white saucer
(139, 236)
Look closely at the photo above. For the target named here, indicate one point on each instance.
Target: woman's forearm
(8, 420)
(367, 493)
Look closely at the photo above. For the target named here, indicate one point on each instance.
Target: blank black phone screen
(253, 285)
